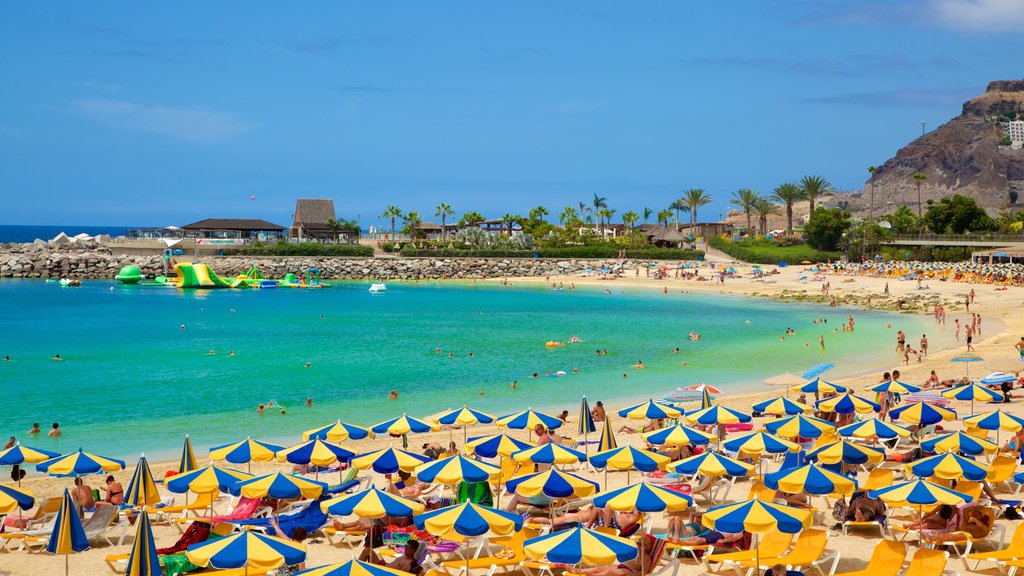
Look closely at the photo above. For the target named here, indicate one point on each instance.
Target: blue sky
(115, 113)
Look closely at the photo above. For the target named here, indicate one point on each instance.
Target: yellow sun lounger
(1014, 551)
(886, 560)
(809, 550)
(772, 545)
(927, 562)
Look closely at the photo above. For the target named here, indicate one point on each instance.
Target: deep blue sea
(19, 233)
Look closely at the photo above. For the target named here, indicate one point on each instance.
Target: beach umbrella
(787, 380)
(143, 560)
(799, 426)
(317, 453)
(643, 497)
(649, 410)
(848, 404)
(338, 432)
(552, 483)
(819, 386)
(920, 493)
(549, 453)
(627, 458)
(705, 399)
(187, 462)
(372, 503)
(352, 568)
(388, 461)
(967, 359)
(464, 417)
(874, 428)
(948, 466)
(781, 407)
(586, 424)
(469, 519)
(246, 549)
(817, 370)
(245, 452)
(581, 546)
(279, 486)
(67, 535)
(997, 421)
(405, 424)
(847, 452)
(456, 469)
(528, 420)
(757, 517)
(894, 387)
(996, 378)
(495, 445)
(607, 439)
(922, 413)
(17, 455)
(678, 435)
(748, 445)
(959, 442)
(811, 479)
(972, 392)
(716, 415)
(711, 464)
(14, 498)
(79, 463)
(206, 480)
(703, 388)
(142, 489)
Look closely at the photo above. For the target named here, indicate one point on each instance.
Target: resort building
(1015, 131)
(237, 229)
(311, 222)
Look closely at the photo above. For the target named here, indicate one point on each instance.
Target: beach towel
(477, 493)
(245, 508)
(196, 532)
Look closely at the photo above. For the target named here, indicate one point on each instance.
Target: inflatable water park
(200, 276)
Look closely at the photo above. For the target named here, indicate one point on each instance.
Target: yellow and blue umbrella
(799, 426)
(894, 387)
(997, 421)
(757, 517)
(643, 497)
(649, 410)
(581, 546)
(848, 404)
(456, 469)
(549, 453)
(705, 399)
(142, 489)
(469, 519)
(405, 424)
(819, 386)
(716, 415)
(759, 443)
(585, 423)
(315, 452)
(529, 419)
(781, 406)
(338, 432)
(143, 560)
(495, 445)
(17, 455)
(628, 457)
(79, 463)
(187, 462)
(966, 358)
(372, 503)
(948, 466)
(920, 493)
(552, 483)
(464, 417)
(279, 486)
(67, 536)
(922, 413)
(712, 464)
(847, 453)
(973, 392)
(607, 440)
(206, 480)
(679, 435)
(14, 498)
(352, 568)
(874, 428)
(246, 549)
(388, 461)
(811, 479)
(959, 442)
(245, 452)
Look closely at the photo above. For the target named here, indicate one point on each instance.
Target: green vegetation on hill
(766, 251)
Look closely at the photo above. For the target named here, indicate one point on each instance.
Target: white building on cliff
(1015, 130)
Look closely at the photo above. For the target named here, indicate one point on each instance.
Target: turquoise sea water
(132, 380)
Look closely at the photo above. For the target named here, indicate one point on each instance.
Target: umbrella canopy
(581, 546)
(679, 435)
(920, 493)
(705, 399)
(338, 432)
(78, 463)
(799, 427)
(552, 483)
(703, 388)
(781, 406)
(246, 549)
(372, 503)
(874, 428)
(142, 489)
(245, 451)
(607, 440)
(973, 392)
(848, 404)
(922, 413)
(959, 442)
(716, 415)
(206, 480)
(143, 561)
(549, 453)
(388, 461)
(315, 452)
(786, 379)
(279, 486)
(999, 378)
(966, 357)
(759, 443)
(811, 479)
(464, 417)
(187, 462)
(643, 497)
(895, 387)
(469, 519)
(819, 386)
(352, 568)
(649, 410)
(67, 536)
(405, 424)
(847, 453)
(456, 469)
(586, 419)
(757, 517)
(529, 419)
(711, 464)
(18, 454)
(997, 420)
(627, 457)
(12, 498)
(495, 445)
(948, 466)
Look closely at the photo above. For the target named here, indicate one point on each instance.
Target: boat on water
(73, 282)
(376, 288)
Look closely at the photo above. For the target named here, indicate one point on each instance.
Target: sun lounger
(771, 545)
(247, 508)
(809, 550)
(1001, 471)
(493, 563)
(44, 514)
(1014, 551)
(886, 560)
(202, 503)
(310, 518)
(349, 538)
(927, 562)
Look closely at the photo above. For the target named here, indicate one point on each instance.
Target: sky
(135, 114)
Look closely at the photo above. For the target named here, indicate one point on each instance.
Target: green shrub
(787, 241)
(766, 252)
(303, 249)
(568, 252)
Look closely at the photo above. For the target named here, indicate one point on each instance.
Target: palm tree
(393, 212)
(411, 226)
(508, 219)
(788, 194)
(538, 213)
(629, 219)
(568, 216)
(606, 215)
(764, 208)
(444, 211)
(694, 199)
(335, 227)
(814, 186)
(745, 199)
(647, 213)
(679, 206)
(918, 178)
(871, 207)
(599, 203)
(663, 217)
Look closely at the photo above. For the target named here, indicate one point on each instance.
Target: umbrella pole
(606, 478)
(757, 553)
(65, 565)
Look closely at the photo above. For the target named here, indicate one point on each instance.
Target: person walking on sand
(821, 341)
(1020, 346)
(901, 340)
(956, 329)
(967, 303)
(970, 338)
(924, 347)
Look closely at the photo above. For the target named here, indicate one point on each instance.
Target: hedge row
(766, 253)
(574, 252)
(303, 249)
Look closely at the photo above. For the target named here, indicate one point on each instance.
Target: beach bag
(840, 509)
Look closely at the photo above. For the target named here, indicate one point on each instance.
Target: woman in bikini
(115, 493)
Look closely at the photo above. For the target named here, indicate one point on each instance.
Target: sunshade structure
(781, 406)
(585, 424)
(79, 463)
(643, 497)
(607, 440)
(922, 413)
(142, 490)
(372, 503)
(966, 359)
(711, 464)
(553, 484)
(317, 453)
(352, 568)
(959, 442)
(456, 469)
(338, 432)
(849, 453)
(874, 428)
(996, 378)
(894, 387)
(650, 410)
(464, 417)
(528, 420)
(14, 498)
(757, 517)
(17, 455)
(549, 453)
(848, 404)
(496, 445)
(819, 386)
(67, 536)
(811, 479)
(206, 480)
(279, 486)
(973, 392)
(679, 435)
(142, 560)
(786, 380)
(405, 424)
(705, 399)
(246, 549)
(628, 458)
(997, 420)
(187, 462)
(759, 443)
(245, 452)
(716, 415)
(919, 493)
(388, 461)
(469, 519)
(948, 467)
(580, 546)
(799, 427)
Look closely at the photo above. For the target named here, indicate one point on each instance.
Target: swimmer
(182, 326)
(513, 384)
(684, 364)
(321, 316)
(57, 358)
(282, 411)
(7, 358)
(536, 375)
(624, 375)
(598, 351)
(35, 429)
(212, 352)
(748, 322)
(451, 355)
(675, 350)
(470, 354)
(807, 344)
(308, 365)
(309, 401)
(481, 393)
(393, 395)
(437, 350)
(605, 351)
(639, 364)
(270, 404)
(575, 370)
(259, 409)
(55, 431)
(231, 352)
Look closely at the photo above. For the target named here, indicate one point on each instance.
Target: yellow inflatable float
(552, 344)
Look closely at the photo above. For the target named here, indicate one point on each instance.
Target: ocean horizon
(29, 232)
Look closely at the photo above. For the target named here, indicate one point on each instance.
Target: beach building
(312, 218)
(1015, 131)
(234, 229)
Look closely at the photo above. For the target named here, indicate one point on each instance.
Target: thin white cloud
(980, 15)
(190, 124)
